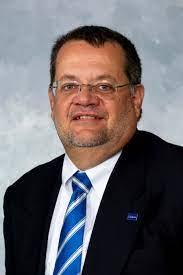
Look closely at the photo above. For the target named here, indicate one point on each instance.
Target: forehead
(81, 55)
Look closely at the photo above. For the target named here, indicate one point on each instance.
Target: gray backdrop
(27, 31)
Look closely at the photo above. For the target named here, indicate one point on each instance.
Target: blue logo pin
(132, 217)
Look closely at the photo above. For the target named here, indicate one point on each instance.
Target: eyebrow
(100, 77)
(69, 77)
(106, 77)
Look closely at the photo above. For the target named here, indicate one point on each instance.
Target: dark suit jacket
(139, 225)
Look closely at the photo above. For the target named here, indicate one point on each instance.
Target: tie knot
(81, 182)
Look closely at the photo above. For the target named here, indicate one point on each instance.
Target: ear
(137, 98)
(52, 101)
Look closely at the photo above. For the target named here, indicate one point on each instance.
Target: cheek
(122, 110)
(60, 110)
(116, 107)
(57, 113)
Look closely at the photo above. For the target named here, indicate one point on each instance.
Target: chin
(87, 142)
(84, 141)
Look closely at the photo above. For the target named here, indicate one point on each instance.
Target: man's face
(86, 119)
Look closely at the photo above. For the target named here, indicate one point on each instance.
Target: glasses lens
(104, 88)
(69, 88)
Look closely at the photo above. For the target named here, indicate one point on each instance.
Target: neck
(85, 158)
(88, 157)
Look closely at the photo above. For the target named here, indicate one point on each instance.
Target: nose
(86, 86)
(85, 96)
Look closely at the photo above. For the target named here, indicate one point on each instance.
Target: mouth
(86, 117)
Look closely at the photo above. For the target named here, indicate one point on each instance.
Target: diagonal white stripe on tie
(75, 203)
(68, 261)
(71, 259)
(82, 186)
(71, 233)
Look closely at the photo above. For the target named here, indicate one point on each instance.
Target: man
(130, 202)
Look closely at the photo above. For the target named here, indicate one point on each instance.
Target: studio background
(28, 30)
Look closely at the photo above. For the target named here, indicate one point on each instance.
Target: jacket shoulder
(156, 145)
(163, 162)
(36, 181)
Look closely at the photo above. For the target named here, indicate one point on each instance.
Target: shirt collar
(95, 174)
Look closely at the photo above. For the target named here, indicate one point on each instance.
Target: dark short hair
(97, 36)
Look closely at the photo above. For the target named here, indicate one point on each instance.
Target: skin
(93, 128)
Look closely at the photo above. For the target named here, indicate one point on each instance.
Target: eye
(104, 87)
(69, 87)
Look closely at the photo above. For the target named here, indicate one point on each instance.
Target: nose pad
(86, 96)
(85, 92)
(88, 87)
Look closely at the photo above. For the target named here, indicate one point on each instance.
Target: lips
(83, 117)
(86, 116)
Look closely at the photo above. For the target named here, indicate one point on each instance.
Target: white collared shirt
(98, 176)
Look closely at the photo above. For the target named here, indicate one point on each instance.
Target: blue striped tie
(69, 254)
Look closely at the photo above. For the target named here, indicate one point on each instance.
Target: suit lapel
(53, 197)
(116, 226)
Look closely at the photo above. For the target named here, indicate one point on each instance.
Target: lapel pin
(132, 217)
